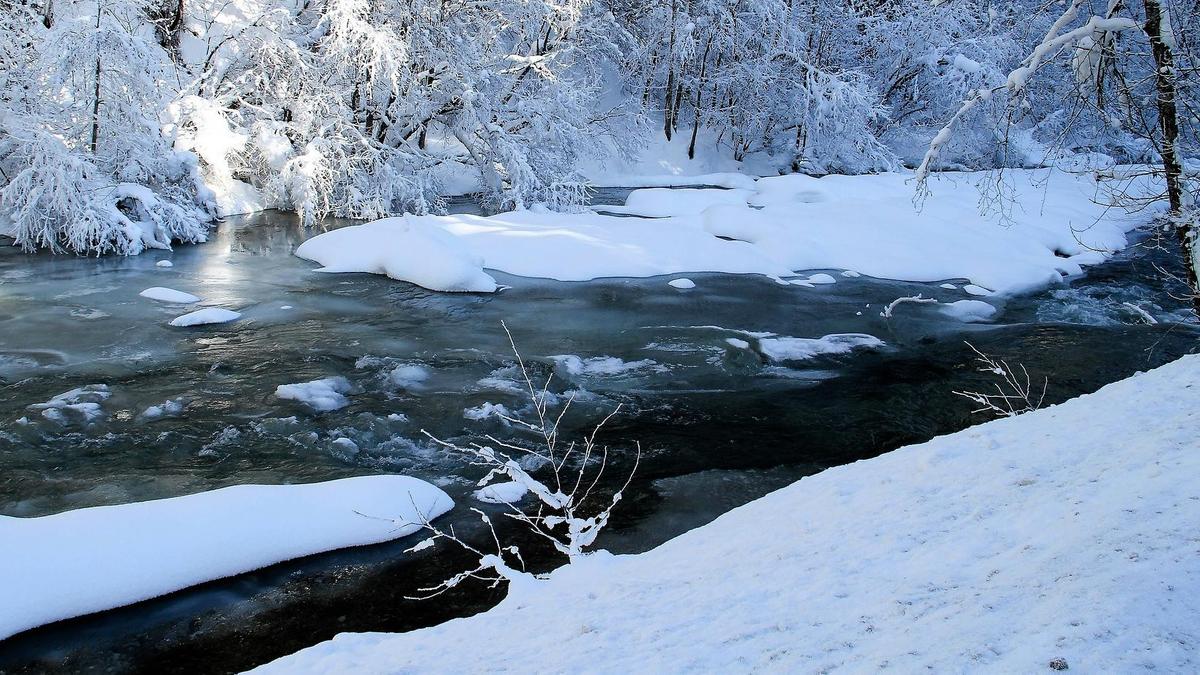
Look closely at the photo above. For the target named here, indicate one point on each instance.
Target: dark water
(719, 424)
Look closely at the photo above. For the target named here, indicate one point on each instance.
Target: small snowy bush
(569, 512)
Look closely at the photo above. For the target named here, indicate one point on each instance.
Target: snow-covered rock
(969, 310)
(682, 284)
(169, 295)
(603, 365)
(1064, 534)
(783, 348)
(321, 395)
(81, 404)
(89, 560)
(404, 248)
(205, 316)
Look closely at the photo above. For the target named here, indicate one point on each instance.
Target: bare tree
(1016, 392)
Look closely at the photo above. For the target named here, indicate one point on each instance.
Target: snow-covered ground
(1066, 534)
(88, 560)
(778, 227)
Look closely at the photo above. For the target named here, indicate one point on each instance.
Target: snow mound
(801, 349)
(501, 493)
(167, 408)
(682, 284)
(89, 560)
(969, 310)
(485, 410)
(321, 395)
(1068, 533)
(164, 263)
(404, 248)
(169, 295)
(661, 202)
(408, 375)
(205, 316)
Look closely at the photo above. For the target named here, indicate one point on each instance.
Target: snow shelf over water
(776, 226)
(89, 560)
(1067, 533)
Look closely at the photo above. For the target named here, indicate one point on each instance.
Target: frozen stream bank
(712, 378)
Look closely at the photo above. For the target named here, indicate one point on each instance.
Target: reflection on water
(194, 409)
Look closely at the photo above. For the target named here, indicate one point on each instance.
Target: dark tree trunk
(1168, 122)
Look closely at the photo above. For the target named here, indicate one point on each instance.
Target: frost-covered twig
(917, 299)
(1015, 392)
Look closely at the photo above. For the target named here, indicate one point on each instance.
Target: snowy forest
(163, 114)
(655, 336)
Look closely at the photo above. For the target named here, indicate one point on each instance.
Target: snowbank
(89, 560)
(1067, 533)
(407, 248)
(783, 225)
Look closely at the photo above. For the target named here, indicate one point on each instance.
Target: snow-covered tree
(85, 166)
(1123, 60)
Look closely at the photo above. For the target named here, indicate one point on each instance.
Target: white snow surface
(1067, 533)
(206, 316)
(169, 295)
(682, 284)
(783, 225)
(406, 248)
(321, 395)
(89, 560)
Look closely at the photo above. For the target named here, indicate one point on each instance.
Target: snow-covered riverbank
(1066, 536)
(1055, 223)
(89, 560)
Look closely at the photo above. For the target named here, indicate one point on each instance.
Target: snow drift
(406, 249)
(77, 562)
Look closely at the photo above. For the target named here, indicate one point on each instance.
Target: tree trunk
(176, 24)
(669, 104)
(1168, 122)
(96, 95)
(48, 14)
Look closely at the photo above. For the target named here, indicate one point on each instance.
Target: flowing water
(720, 422)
